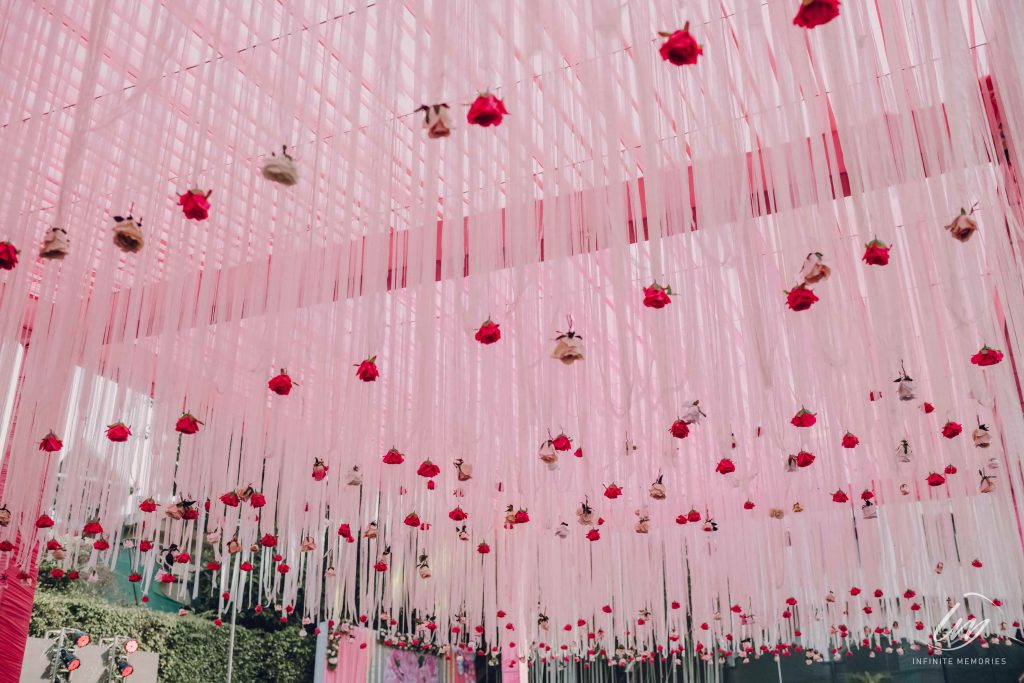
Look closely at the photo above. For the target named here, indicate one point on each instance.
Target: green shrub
(191, 649)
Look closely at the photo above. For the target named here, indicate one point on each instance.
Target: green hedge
(191, 649)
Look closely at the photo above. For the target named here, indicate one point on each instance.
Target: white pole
(231, 644)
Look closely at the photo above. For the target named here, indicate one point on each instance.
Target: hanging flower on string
(657, 490)
(393, 457)
(437, 120)
(680, 47)
(463, 470)
(281, 169)
(568, 346)
(935, 479)
(483, 548)
(148, 505)
(725, 466)
(612, 491)
(8, 256)
(367, 370)
(381, 565)
(118, 432)
(187, 424)
(412, 519)
(458, 515)
(281, 384)
(803, 418)
(987, 357)
(319, 470)
(428, 469)
(981, 437)
(55, 244)
(128, 234)
(814, 269)
(850, 441)
(906, 388)
(800, 298)
(488, 333)
(51, 443)
(951, 429)
(257, 500)
(804, 459)
(816, 12)
(585, 514)
(840, 496)
(486, 110)
(195, 204)
(92, 528)
(876, 253)
(594, 535)
(656, 296)
(963, 227)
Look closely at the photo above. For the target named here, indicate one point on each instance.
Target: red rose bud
(693, 515)
(562, 442)
(190, 513)
(345, 531)
(488, 332)
(118, 432)
(458, 515)
(950, 469)
(283, 568)
(657, 296)
(412, 519)
(166, 578)
(320, 470)
(876, 253)
(218, 622)
(951, 430)
(230, 499)
(816, 12)
(145, 546)
(486, 110)
(800, 298)
(927, 407)
(53, 545)
(804, 459)
(281, 384)
(840, 496)
(148, 505)
(195, 204)
(44, 522)
(786, 614)
(935, 479)
(428, 469)
(680, 48)
(50, 443)
(749, 505)
(579, 452)
(187, 424)
(854, 591)
(987, 357)
(268, 541)
(367, 370)
(791, 602)
(681, 519)
(522, 516)
(213, 565)
(92, 528)
(257, 500)
(878, 593)
(393, 457)
(612, 491)
(803, 418)
(182, 558)
(725, 466)
(6, 546)
(245, 566)
(850, 441)
(908, 594)
(593, 535)
(8, 256)
(679, 429)
(134, 577)
(867, 494)
(483, 548)
(56, 573)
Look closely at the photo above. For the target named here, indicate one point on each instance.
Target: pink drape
(354, 656)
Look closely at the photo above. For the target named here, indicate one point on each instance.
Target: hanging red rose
(195, 204)
(855, 591)
(681, 519)
(345, 531)
(148, 505)
(283, 568)
(657, 296)
(134, 577)
(319, 470)
(56, 573)
(50, 443)
(486, 110)
(213, 566)
(816, 12)
(483, 548)
(8, 256)
(428, 469)
(927, 408)
(803, 418)
(367, 370)
(725, 466)
(230, 499)
(561, 442)
(976, 564)
(867, 494)
(522, 516)
(458, 515)
(488, 332)
(257, 500)
(908, 594)
(187, 424)
(145, 546)
(850, 441)
(679, 429)
(92, 528)
(680, 48)
(987, 357)
(935, 479)
(118, 432)
(245, 566)
(281, 384)
(749, 505)
(800, 298)
(612, 491)
(693, 515)
(268, 541)
(804, 459)
(182, 558)
(393, 457)
(578, 452)
(876, 253)
(593, 535)
(380, 566)
(53, 545)
(950, 469)
(6, 546)
(840, 496)
(44, 522)
(412, 519)
(951, 429)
